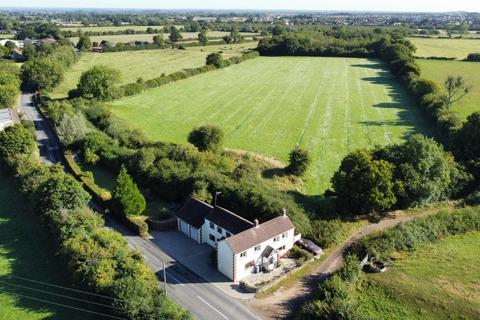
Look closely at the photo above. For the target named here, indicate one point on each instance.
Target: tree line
(98, 259)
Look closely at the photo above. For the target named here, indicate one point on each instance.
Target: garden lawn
(437, 281)
(450, 48)
(438, 71)
(269, 105)
(26, 251)
(147, 64)
(149, 37)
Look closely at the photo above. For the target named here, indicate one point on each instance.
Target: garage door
(184, 227)
(194, 234)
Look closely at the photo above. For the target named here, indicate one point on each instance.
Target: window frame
(212, 226)
(243, 254)
(258, 248)
(210, 236)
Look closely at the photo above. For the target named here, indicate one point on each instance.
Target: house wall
(242, 271)
(207, 231)
(225, 259)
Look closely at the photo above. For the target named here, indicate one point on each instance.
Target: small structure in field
(8, 117)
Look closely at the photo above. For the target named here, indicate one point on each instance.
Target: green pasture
(111, 28)
(149, 37)
(438, 281)
(147, 64)
(26, 251)
(438, 71)
(269, 105)
(450, 48)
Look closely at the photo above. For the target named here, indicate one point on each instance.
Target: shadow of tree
(27, 252)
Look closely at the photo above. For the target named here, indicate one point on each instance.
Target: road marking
(175, 279)
(208, 304)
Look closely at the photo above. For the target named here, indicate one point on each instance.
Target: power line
(67, 306)
(65, 288)
(57, 294)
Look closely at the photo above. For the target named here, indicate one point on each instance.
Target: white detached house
(242, 247)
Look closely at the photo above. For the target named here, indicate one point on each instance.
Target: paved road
(47, 140)
(201, 298)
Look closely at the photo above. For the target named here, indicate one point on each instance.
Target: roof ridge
(236, 215)
(201, 201)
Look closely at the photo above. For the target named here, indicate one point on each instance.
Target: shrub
(300, 159)
(215, 59)
(99, 82)
(206, 138)
(127, 195)
(474, 57)
(326, 233)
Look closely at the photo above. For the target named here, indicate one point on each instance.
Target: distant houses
(243, 247)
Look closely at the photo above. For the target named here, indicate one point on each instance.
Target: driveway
(196, 258)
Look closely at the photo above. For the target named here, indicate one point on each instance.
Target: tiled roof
(228, 220)
(194, 211)
(254, 236)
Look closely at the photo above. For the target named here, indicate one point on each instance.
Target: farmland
(438, 71)
(111, 28)
(330, 106)
(148, 37)
(147, 64)
(450, 48)
(25, 251)
(437, 281)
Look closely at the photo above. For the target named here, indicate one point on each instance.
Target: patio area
(264, 277)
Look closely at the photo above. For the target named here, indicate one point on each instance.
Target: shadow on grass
(27, 252)
(408, 113)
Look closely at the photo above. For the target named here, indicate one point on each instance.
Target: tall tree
(202, 37)
(84, 42)
(175, 35)
(158, 40)
(456, 88)
(99, 82)
(363, 185)
(127, 195)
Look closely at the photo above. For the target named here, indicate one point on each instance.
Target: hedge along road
(268, 105)
(202, 299)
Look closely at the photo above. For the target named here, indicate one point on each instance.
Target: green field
(147, 64)
(450, 48)
(111, 28)
(26, 252)
(149, 37)
(438, 281)
(438, 71)
(268, 105)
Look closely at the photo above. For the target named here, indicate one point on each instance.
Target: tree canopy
(207, 138)
(99, 82)
(127, 195)
(300, 159)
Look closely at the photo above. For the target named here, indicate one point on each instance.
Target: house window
(212, 226)
(212, 237)
(228, 234)
(284, 235)
(219, 230)
(258, 248)
(277, 238)
(249, 265)
(243, 254)
(282, 248)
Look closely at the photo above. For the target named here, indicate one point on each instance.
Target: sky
(351, 5)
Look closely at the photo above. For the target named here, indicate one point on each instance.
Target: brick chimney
(256, 223)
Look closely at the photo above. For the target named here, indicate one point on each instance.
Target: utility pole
(215, 200)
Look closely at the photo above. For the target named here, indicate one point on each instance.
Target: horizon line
(236, 9)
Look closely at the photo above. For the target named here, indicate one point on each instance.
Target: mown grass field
(26, 252)
(147, 64)
(438, 281)
(438, 71)
(450, 48)
(268, 105)
(149, 37)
